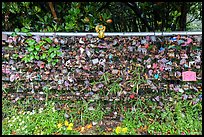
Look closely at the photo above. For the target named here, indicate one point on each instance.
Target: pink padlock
(161, 68)
(154, 65)
(147, 38)
(189, 40)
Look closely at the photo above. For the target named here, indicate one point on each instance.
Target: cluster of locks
(167, 62)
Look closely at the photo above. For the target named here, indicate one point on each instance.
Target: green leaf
(13, 34)
(54, 63)
(45, 18)
(17, 30)
(37, 47)
(56, 60)
(37, 57)
(48, 40)
(50, 50)
(42, 43)
(37, 9)
(55, 50)
(15, 56)
(59, 53)
(35, 52)
(30, 49)
(24, 30)
(24, 58)
(58, 47)
(49, 59)
(30, 42)
(31, 57)
(43, 56)
(52, 55)
(28, 34)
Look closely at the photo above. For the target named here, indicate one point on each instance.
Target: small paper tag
(189, 76)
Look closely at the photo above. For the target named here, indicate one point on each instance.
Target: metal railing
(110, 33)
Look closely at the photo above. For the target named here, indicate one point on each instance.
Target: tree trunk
(182, 23)
(155, 20)
(134, 25)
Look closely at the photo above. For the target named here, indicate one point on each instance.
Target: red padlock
(146, 45)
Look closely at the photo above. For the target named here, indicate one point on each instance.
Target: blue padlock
(169, 63)
(156, 76)
(161, 49)
(186, 66)
(200, 96)
(39, 77)
(173, 39)
(110, 56)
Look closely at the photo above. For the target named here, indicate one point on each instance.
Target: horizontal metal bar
(110, 33)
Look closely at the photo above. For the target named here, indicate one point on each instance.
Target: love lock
(67, 63)
(153, 38)
(182, 61)
(184, 56)
(161, 49)
(102, 62)
(150, 73)
(39, 77)
(95, 61)
(60, 81)
(149, 66)
(81, 50)
(170, 53)
(142, 50)
(169, 63)
(185, 66)
(197, 65)
(156, 76)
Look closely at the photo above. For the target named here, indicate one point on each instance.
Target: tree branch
(103, 7)
(137, 11)
(53, 11)
(191, 20)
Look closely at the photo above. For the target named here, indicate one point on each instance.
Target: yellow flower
(70, 126)
(118, 130)
(66, 123)
(89, 126)
(124, 130)
(59, 125)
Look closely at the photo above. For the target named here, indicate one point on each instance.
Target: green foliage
(114, 88)
(175, 119)
(35, 51)
(42, 121)
(143, 117)
(84, 16)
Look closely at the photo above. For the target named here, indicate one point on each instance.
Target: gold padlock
(100, 29)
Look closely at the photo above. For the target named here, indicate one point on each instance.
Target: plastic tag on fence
(189, 76)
